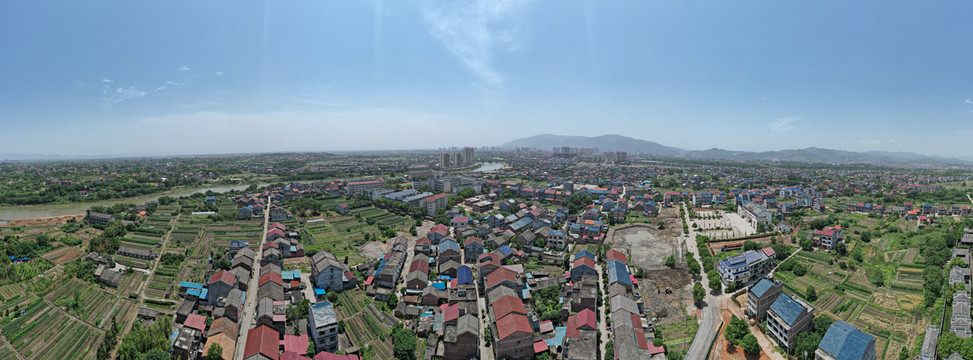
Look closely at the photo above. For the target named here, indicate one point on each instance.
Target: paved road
(250, 306)
(710, 306)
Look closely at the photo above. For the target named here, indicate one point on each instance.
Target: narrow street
(602, 316)
(250, 304)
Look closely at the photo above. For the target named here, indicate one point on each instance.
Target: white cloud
(120, 94)
(783, 125)
(107, 81)
(869, 142)
(184, 68)
(474, 31)
(218, 73)
(968, 101)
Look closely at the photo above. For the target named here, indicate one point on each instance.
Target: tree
(698, 292)
(404, 343)
(157, 354)
(671, 261)
(799, 269)
(714, 280)
(750, 245)
(807, 244)
(750, 344)
(807, 343)
(692, 264)
(310, 348)
(215, 352)
(392, 301)
(736, 330)
(811, 294)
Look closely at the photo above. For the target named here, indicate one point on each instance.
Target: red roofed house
(502, 277)
(827, 238)
(513, 337)
(197, 322)
(434, 203)
(263, 343)
(275, 234)
(296, 343)
(506, 306)
(278, 225)
(220, 285)
(615, 255)
(540, 346)
(582, 265)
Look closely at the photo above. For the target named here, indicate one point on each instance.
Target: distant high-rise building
(468, 155)
(444, 160)
(458, 159)
(621, 157)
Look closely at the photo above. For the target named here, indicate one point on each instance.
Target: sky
(199, 77)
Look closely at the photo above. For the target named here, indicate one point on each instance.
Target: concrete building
(323, 326)
(788, 316)
(444, 161)
(761, 296)
(746, 267)
(468, 155)
(326, 271)
(434, 203)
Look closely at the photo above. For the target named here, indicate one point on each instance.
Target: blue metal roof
(558, 338)
(761, 287)
(204, 295)
(439, 285)
(584, 253)
(464, 275)
(845, 342)
(191, 285)
(193, 292)
(618, 273)
(448, 244)
(506, 250)
(787, 308)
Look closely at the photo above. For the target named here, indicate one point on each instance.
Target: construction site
(665, 291)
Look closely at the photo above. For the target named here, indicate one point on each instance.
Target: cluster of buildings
(382, 282)
(788, 315)
(466, 158)
(631, 328)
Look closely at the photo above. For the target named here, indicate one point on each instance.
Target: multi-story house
(323, 326)
(761, 296)
(745, 267)
(788, 316)
(843, 341)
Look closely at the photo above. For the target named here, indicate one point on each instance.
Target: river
(8, 213)
(490, 166)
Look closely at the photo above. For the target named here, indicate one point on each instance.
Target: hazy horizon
(221, 77)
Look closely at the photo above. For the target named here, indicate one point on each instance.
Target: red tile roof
(195, 321)
(419, 265)
(769, 251)
(423, 240)
(296, 343)
(277, 225)
(472, 239)
(290, 355)
(262, 340)
(507, 305)
(224, 276)
(572, 327)
(511, 325)
(616, 255)
(434, 198)
(584, 261)
(270, 276)
(540, 346)
(587, 320)
(547, 326)
(500, 275)
(450, 312)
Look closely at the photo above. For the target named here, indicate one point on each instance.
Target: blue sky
(185, 77)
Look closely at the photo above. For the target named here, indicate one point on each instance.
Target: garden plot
(54, 335)
(11, 291)
(63, 254)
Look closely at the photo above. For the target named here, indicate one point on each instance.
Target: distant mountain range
(615, 143)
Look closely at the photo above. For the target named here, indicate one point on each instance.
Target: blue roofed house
(584, 253)
(788, 316)
(464, 275)
(618, 273)
(845, 342)
(761, 296)
(449, 250)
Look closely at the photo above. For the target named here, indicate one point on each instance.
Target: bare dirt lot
(648, 246)
(54, 220)
(667, 308)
